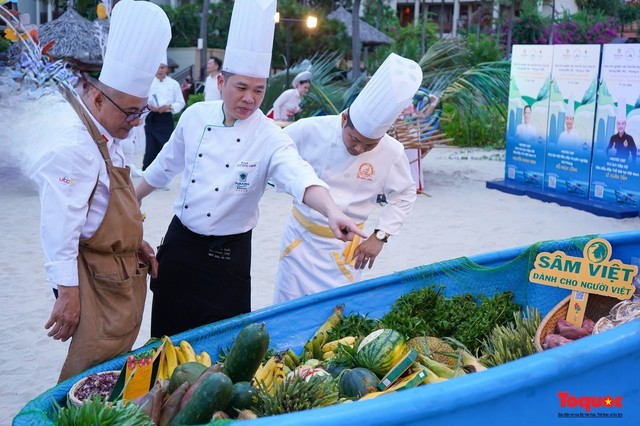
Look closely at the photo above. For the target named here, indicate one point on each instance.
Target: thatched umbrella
(369, 35)
(75, 40)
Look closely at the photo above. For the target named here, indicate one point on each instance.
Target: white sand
(460, 218)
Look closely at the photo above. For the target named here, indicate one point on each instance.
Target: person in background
(352, 153)
(165, 99)
(187, 88)
(91, 224)
(288, 103)
(225, 151)
(211, 89)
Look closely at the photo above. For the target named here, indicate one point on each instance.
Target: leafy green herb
(95, 412)
(466, 318)
(355, 325)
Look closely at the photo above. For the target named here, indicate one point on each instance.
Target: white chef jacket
(311, 263)
(225, 169)
(289, 100)
(166, 92)
(66, 176)
(211, 92)
(355, 181)
(570, 139)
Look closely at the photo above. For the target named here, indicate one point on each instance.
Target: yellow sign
(594, 273)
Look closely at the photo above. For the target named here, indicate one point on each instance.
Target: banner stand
(591, 206)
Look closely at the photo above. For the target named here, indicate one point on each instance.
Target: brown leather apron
(112, 280)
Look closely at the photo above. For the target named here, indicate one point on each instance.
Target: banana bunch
(270, 374)
(329, 347)
(275, 369)
(313, 347)
(176, 355)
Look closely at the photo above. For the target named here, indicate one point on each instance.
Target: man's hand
(148, 256)
(343, 227)
(65, 315)
(367, 251)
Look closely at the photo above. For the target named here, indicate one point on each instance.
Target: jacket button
(226, 165)
(199, 155)
(193, 181)
(216, 189)
(208, 129)
(186, 207)
(238, 140)
(208, 214)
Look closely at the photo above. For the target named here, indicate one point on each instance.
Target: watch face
(381, 235)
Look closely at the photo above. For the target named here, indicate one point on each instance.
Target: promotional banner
(615, 175)
(528, 112)
(572, 108)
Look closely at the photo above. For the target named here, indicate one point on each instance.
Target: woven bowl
(597, 307)
(72, 397)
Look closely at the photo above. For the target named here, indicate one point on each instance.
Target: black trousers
(158, 127)
(201, 279)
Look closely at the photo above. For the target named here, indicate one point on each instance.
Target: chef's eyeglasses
(129, 116)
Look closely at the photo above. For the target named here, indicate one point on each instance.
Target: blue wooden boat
(531, 390)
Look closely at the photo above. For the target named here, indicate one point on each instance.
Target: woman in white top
(288, 103)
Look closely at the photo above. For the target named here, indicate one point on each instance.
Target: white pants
(310, 264)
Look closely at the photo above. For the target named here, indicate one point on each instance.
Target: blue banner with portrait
(572, 108)
(528, 113)
(615, 175)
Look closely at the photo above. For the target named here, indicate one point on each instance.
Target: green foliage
(466, 318)
(185, 24)
(355, 325)
(95, 412)
(381, 16)
(488, 130)
(608, 7)
(484, 49)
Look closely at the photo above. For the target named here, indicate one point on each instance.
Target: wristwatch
(381, 235)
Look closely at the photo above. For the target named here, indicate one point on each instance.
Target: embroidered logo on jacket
(241, 184)
(67, 181)
(366, 171)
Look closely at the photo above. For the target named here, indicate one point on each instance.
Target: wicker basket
(597, 307)
(74, 400)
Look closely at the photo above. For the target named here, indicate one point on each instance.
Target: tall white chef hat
(250, 38)
(139, 35)
(384, 97)
(621, 114)
(570, 106)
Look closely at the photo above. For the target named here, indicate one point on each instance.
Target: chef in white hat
(353, 154)
(569, 138)
(225, 151)
(288, 103)
(91, 225)
(621, 144)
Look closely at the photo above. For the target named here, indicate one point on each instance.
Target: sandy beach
(458, 217)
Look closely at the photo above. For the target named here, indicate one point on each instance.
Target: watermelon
(357, 382)
(381, 350)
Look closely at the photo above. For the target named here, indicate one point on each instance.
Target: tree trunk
(203, 35)
(355, 38)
